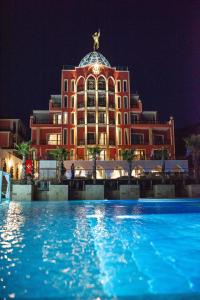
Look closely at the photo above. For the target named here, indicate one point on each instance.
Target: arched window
(111, 85)
(91, 83)
(81, 84)
(101, 84)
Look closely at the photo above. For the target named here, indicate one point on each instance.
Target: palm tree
(129, 156)
(193, 147)
(60, 154)
(23, 150)
(94, 152)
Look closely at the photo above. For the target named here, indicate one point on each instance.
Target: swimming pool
(100, 250)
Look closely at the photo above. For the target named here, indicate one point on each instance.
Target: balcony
(55, 105)
(43, 121)
(81, 121)
(147, 122)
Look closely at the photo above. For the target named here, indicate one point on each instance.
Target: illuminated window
(57, 119)
(118, 86)
(125, 102)
(65, 136)
(125, 86)
(65, 118)
(126, 137)
(65, 102)
(139, 154)
(73, 85)
(54, 139)
(102, 138)
(119, 118)
(65, 85)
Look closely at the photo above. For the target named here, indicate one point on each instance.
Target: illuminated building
(96, 108)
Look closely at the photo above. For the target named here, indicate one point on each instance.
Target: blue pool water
(100, 250)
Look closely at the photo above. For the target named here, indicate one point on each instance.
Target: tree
(193, 147)
(129, 156)
(60, 154)
(94, 152)
(23, 150)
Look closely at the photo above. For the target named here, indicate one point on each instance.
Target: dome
(92, 58)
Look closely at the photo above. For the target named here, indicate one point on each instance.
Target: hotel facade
(96, 108)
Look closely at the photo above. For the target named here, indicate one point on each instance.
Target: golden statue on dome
(96, 37)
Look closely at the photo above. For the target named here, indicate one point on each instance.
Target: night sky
(158, 40)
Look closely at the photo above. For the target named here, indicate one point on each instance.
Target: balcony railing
(56, 105)
(102, 121)
(146, 122)
(164, 142)
(111, 105)
(112, 121)
(42, 121)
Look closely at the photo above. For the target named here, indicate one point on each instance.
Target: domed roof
(92, 58)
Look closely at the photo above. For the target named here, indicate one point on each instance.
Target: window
(125, 86)
(119, 118)
(160, 154)
(57, 119)
(102, 117)
(91, 83)
(119, 136)
(134, 118)
(73, 85)
(65, 118)
(72, 101)
(91, 117)
(137, 139)
(54, 139)
(102, 138)
(102, 101)
(126, 137)
(126, 118)
(65, 102)
(118, 86)
(125, 102)
(101, 84)
(139, 154)
(91, 138)
(72, 136)
(158, 139)
(90, 100)
(119, 102)
(65, 85)
(65, 136)
(72, 119)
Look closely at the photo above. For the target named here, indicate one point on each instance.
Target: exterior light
(10, 163)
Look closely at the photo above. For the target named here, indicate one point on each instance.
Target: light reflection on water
(101, 249)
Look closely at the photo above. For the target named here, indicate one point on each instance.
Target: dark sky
(158, 40)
